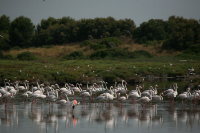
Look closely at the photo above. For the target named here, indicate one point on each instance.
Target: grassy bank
(50, 66)
(92, 70)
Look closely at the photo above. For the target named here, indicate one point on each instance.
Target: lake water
(97, 117)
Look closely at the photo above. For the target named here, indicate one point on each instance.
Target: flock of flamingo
(95, 92)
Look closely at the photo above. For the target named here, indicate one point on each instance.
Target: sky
(138, 10)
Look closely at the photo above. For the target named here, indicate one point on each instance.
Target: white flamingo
(184, 95)
(86, 94)
(135, 94)
(122, 99)
(143, 101)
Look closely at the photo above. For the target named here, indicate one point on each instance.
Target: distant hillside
(62, 50)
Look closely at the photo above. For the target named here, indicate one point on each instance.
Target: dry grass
(62, 50)
(154, 50)
(55, 51)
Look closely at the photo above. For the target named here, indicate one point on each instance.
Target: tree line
(177, 33)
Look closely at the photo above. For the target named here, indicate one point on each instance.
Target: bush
(26, 56)
(100, 54)
(110, 42)
(85, 43)
(75, 55)
(16, 48)
(109, 78)
(193, 52)
(47, 46)
(1, 54)
(97, 46)
(5, 47)
(119, 54)
(151, 43)
(8, 57)
(142, 53)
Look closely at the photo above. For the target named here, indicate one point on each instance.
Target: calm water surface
(98, 117)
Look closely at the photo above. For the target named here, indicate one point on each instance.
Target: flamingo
(22, 88)
(77, 88)
(52, 97)
(134, 94)
(171, 90)
(192, 97)
(69, 103)
(157, 98)
(122, 98)
(184, 95)
(85, 94)
(143, 100)
(109, 96)
(6, 96)
(171, 93)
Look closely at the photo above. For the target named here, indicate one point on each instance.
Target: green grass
(61, 71)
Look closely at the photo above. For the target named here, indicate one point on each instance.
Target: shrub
(110, 42)
(151, 43)
(120, 54)
(75, 55)
(99, 54)
(8, 57)
(47, 46)
(109, 78)
(97, 46)
(1, 54)
(16, 48)
(142, 53)
(85, 43)
(193, 52)
(26, 56)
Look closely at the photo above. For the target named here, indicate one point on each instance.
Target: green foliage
(16, 48)
(4, 24)
(110, 42)
(100, 54)
(4, 30)
(75, 55)
(119, 54)
(106, 43)
(8, 57)
(85, 43)
(193, 49)
(1, 54)
(142, 53)
(4, 46)
(151, 43)
(109, 78)
(97, 46)
(21, 31)
(26, 56)
(47, 46)
(65, 30)
(183, 33)
(193, 52)
(152, 30)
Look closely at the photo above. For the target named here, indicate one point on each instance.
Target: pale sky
(137, 10)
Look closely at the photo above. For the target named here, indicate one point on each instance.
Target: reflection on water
(95, 117)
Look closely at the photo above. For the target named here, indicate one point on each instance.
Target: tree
(4, 29)
(182, 33)
(4, 24)
(47, 23)
(21, 31)
(152, 30)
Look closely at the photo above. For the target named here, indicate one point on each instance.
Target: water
(98, 117)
